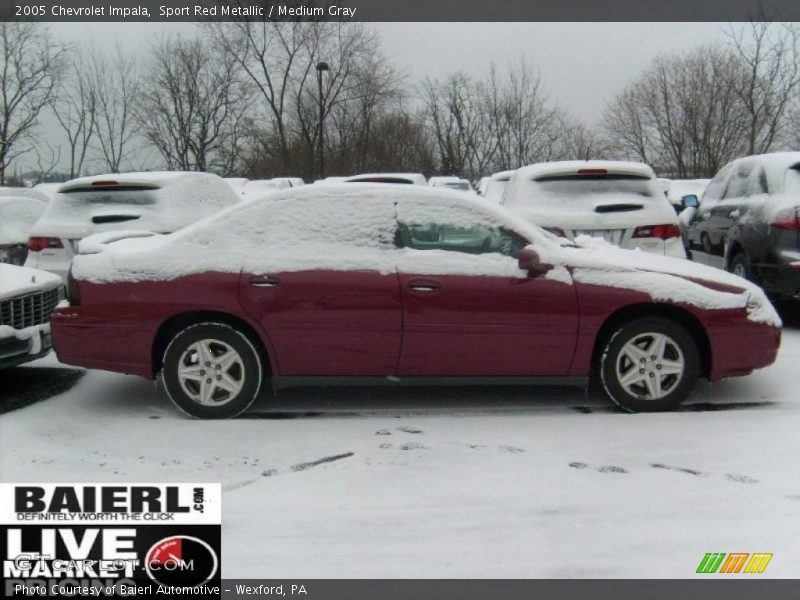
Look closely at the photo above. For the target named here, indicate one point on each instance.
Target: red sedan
(389, 283)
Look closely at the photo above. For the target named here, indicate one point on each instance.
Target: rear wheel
(212, 371)
(649, 365)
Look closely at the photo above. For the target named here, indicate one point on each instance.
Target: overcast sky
(582, 64)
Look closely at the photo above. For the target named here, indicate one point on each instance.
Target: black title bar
(399, 10)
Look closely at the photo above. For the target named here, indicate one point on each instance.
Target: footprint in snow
(511, 449)
(740, 478)
(679, 469)
(409, 430)
(578, 465)
(412, 447)
(383, 432)
(612, 469)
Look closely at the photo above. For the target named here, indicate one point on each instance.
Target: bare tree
(192, 106)
(681, 115)
(116, 88)
(75, 109)
(769, 78)
(31, 66)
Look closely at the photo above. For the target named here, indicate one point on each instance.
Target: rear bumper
(111, 344)
(25, 346)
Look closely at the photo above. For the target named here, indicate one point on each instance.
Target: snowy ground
(483, 482)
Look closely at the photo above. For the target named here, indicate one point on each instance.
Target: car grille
(29, 309)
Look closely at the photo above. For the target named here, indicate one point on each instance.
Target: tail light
(662, 232)
(787, 219)
(37, 244)
(73, 290)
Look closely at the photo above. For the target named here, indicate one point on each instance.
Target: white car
(496, 185)
(402, 178)
(17, 215)
(620, 202)
(160, 202)
(450, 182)
(27, 299)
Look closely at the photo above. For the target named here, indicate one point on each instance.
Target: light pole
(321, 66)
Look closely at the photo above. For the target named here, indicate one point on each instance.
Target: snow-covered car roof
(776, 165)
(502, 175)
(15, 281)
(258, 188)
(17, 216)
(402, 178)
(577, 167)
(157, 201)
(160, 179)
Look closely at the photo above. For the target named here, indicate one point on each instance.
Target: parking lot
(445, 482)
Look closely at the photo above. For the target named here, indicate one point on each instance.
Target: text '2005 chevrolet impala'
(401, 282)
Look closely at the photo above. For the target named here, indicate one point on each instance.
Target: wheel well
(733, 250)
(173, 325)
(624, 315)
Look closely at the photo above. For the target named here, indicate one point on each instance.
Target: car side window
(739, 183)
(716, 187)
(760, 185)
(478, 239)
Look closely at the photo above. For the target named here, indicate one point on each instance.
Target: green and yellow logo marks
(735, 562)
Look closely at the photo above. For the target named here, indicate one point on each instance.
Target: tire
(649, 387)
(705, 242)
(229, 381)
(739, 265)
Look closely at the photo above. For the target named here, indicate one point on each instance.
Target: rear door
(468, 310)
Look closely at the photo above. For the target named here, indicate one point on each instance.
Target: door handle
(268, 282)
(424, 287)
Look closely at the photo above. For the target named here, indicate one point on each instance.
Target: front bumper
(25, 346)
(739, 347)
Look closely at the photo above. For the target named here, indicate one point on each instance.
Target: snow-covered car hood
(15, 281)
(596, 262)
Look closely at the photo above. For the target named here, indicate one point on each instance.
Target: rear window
(462, 185)
(574, 187)
(381, 180)
(129, 195)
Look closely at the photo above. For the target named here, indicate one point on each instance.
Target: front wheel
(212, 371)
(740, 266)
(649, 365)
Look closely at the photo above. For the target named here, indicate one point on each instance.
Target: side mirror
(690, 201)
(528, 260)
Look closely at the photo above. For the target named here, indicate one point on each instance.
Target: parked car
(27, 300)
(451, 183)
(678, 190)
(620, 202)
(402, 178)
(749, 221)
(157, 201)
(496, 185)
(17, 215)
(401, 283)
(258, 188)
